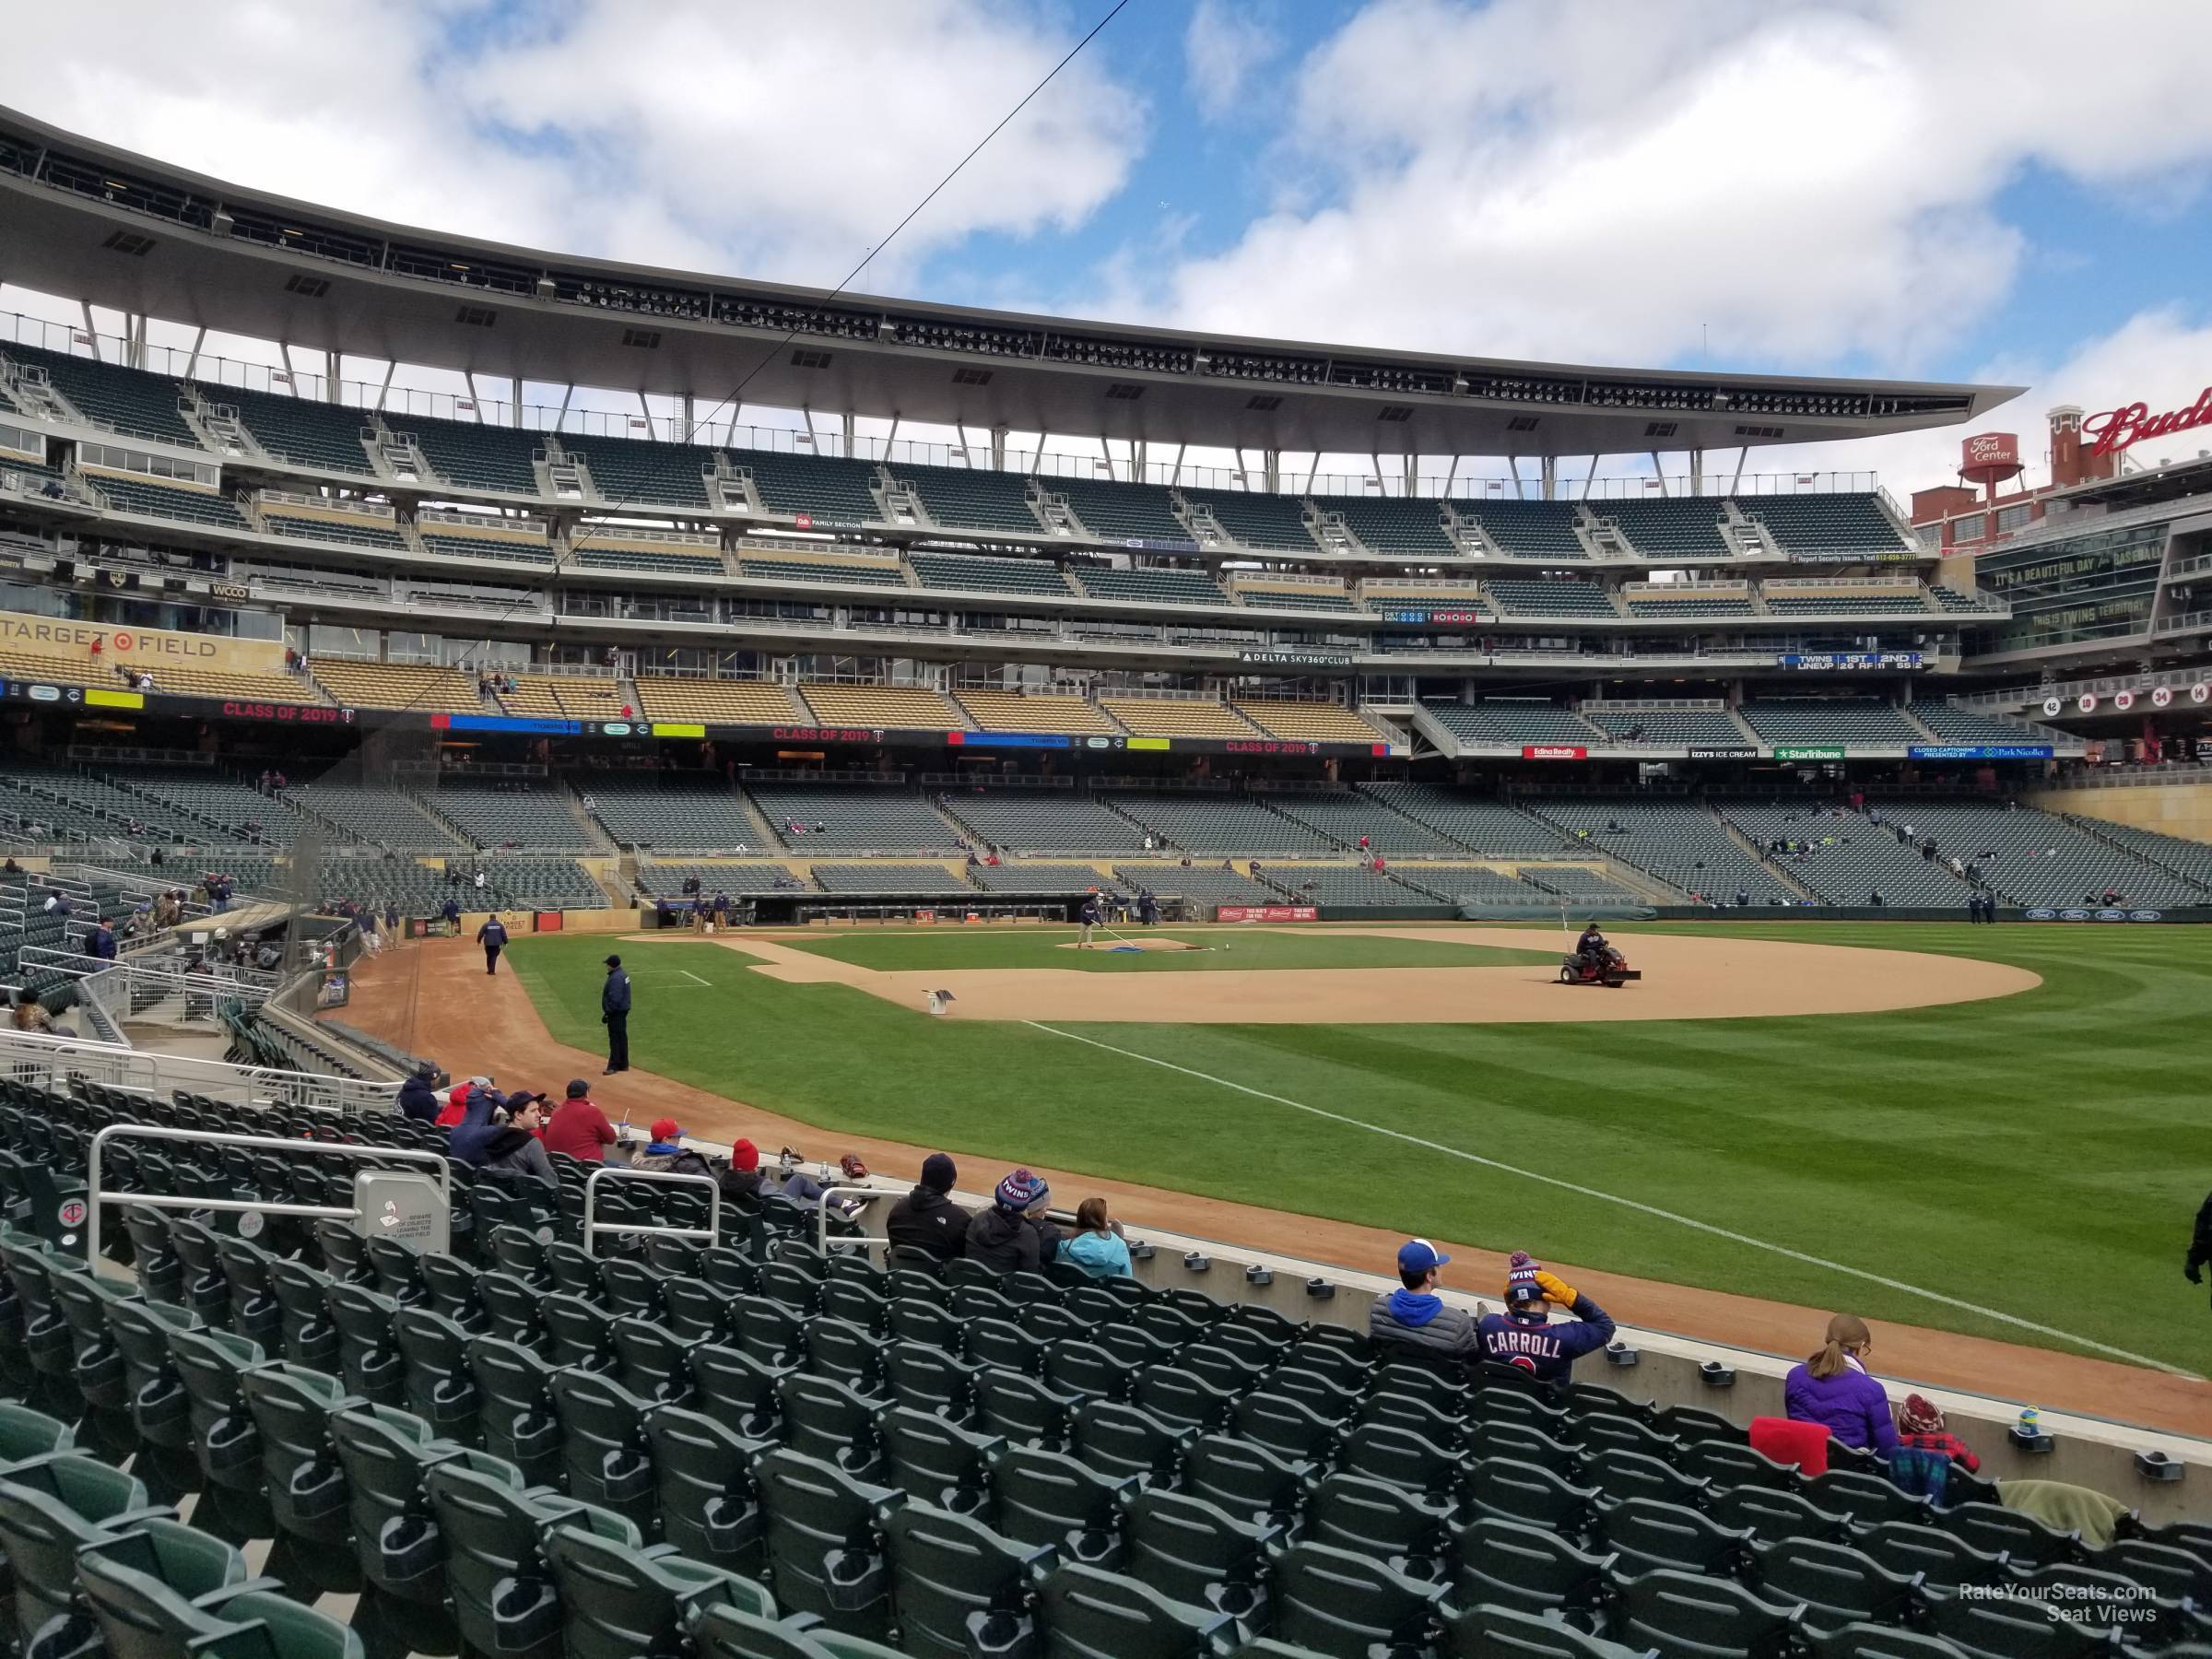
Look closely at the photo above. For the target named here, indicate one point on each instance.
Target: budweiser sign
(2116, 429)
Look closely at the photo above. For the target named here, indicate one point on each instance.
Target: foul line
(1648, 1209)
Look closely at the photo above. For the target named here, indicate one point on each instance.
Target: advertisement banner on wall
(1554, 751)
(1979, 751)
(1266, 913)
(1722, 751)
(1800, 751)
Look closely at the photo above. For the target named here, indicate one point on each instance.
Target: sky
(2012, 190)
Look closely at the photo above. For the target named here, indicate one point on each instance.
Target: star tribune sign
(2116, 429)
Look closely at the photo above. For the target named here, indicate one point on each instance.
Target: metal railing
(829, 1205)
(45, 1060)
(373, 1155)
(592, 1227)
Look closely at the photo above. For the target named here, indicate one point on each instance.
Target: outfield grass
(2041, 1155)
(1215, 949)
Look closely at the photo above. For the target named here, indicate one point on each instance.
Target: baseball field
(2022, 1166)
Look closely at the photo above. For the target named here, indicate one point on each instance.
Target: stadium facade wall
(2183, 810)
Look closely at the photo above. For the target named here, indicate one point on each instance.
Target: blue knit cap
(1021, 1191)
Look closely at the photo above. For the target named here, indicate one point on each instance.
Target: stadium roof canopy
(90, 223)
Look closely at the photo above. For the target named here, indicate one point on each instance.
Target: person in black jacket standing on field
(2200, 1244)
(493, 935)
(614, 1014)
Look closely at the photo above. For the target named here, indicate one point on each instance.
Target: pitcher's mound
(1143, 944)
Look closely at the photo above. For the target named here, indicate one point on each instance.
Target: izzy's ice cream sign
(2116, 429)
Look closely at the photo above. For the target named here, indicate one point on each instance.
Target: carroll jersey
(1547, 1350)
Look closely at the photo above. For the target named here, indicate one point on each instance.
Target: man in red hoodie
(577, 1128)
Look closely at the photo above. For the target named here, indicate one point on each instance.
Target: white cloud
(772, 141)
(1223, 48)
(1600, 181)
(2163, 357)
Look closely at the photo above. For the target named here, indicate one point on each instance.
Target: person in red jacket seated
(579, 1128)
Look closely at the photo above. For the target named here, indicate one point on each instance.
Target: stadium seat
(1684, 1615)
(709, 1507)
(386, 1456)
(958, 1588)
(1836, 1583)
(1246, 1479)
(1374, 1518)
(494, 1532)
(1344, 1606)
(619, 1601)
(1492, 1631)
(515, 1387)
(292, 1408)
(1646, 1533)
(53, 1505)
(1529, 1568)
(1040, 1497)
(604, 1447)
(1197, 1553)
(824, 1552)
(1088, 1613)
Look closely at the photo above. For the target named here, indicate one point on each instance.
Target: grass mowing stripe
(1649, 1209)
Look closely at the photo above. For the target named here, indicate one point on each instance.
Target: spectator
(577, 1128)
(926, 1219)
(1413, 1321)
(1015, 1233)
(102, 942)
(31, 1015)
(1921, 1428)
(1095, 1246)
(745, 1181)
(1522, 1335)
(505, 1141)
(1832, 1388)
(418, 1099)
(451, 912)
(457, 1099)
(665, 1150)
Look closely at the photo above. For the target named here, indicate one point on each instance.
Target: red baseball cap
(667, 1129)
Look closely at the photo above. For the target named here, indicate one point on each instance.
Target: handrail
(821, 1217)
(95, 1198)
(593, 1228)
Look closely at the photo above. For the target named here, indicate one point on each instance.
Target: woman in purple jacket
(1834, 1390)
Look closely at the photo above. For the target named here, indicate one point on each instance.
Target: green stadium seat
(709, 1507)
(1866, 1499)
(1941, 1560)
(1091, 1614)
(162, 1589)
(2165, 1567)
(254, 1309)
(2014, 1627)
(386, 1456)
(1506, 1491)
(1246, 1479)
(292, 1408)
(1388, 1522)
(47, 1338)
(1120, 1439)
(605, 1449)
(96, 1364)
(2117, 1603)
(1490, 1632)
(956, 1588)
(26, 1433)
(726, 1634)
(1085, 1369)
(621, 1601)
(1401, 1458)
(579, 1335)
(1344, 1606)
(368, 1354)
(50, 1507)
(1684, 1615)
(768, 1331)
(937, 1462)
(1767, 1512)
(514, 1391)
(737, 1389)
(652, 1362)
(847, 1353)
(439, 1388)
(1618, 1475)
(1529, 1568)
(930, 1379)
(1182, 1397)
(1877, 1642)
(211, 1364)
(1197, 1553)
(1286, 1427)
(1836, 1583)
(1647, 1533)
(503, 1596)
(514, 1307)
(1023, 1409)
(1726, 1463)
(2026, 1542)
(307, 1333)
(160, 1407)
(826, 1419)
(824, 1550)
(1040, 1497)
